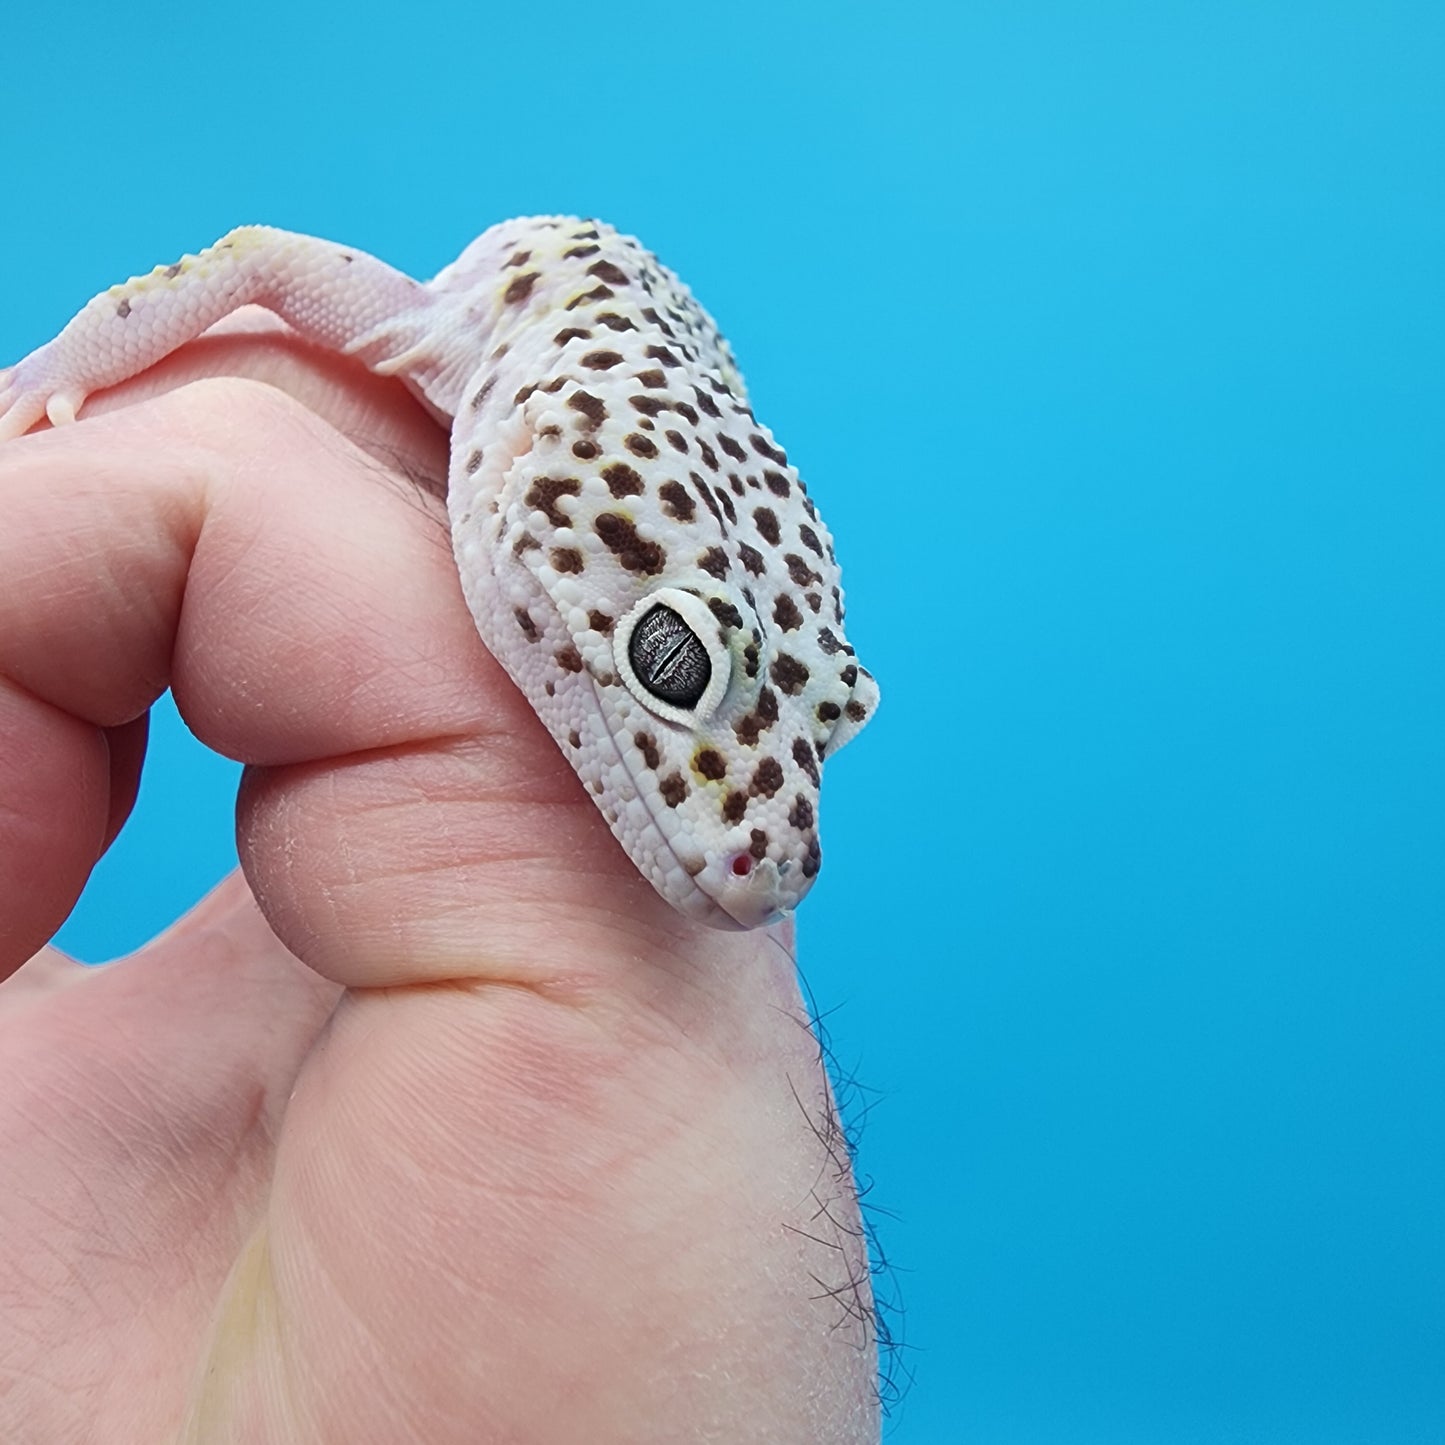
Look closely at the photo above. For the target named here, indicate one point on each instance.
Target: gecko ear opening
(671, 657)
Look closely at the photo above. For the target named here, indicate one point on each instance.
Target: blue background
(1110, 337)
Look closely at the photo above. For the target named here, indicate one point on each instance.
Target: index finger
(304, 606)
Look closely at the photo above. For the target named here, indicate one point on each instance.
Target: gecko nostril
(741, 865)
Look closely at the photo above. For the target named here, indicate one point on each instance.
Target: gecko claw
(62, 407)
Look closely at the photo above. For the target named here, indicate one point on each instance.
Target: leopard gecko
(634, 546)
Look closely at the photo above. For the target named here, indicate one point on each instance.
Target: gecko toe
(19, 414)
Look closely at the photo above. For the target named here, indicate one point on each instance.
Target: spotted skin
(604, 458)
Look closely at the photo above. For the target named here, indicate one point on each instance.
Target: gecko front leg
(334, 295)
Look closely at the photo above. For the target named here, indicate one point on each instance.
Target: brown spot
(662, 354)
(767, 524)
(786, 614)
(613, 322)
(810, 539)
(567, 559)
(736, 483)
(750, 659)
(767, 778)
(123, 309)
(569, 659)
(855, 710)
(586, 450)
(731, 447)
(523, 393)
(764, 448)
(574, 738)
(590, 406)
(709, 762)
(715, 562)
(543, 495)
(702, 489)
(647, 405)
(801, 816)
(789, 674)
(556, 384)
(648, 744)
(758, 844)
(676, 441)
(673, 789)
(602, 360)
(639, 445)
(799, 571)
(749, 728)
(706, 402)
(686, 412)
(524, 621)
(829, 712)
(813, 858)
(725, 612)
(173, 271)
(622, 481)
(813, 600)
(521, 287)
(599, 621)
(708, 455)
(519, 259)
(727, 504)
(579, 251)
(474, 462)
(768, 704)
(849, 675)
(525, 543)
(653, 378)
(752, 559)
(806, 759)
(777, 483)
(636, 555)
(597, 293)
(484, 393)
(676, 501)
(828, 642)
(550, 432)
(735, 804)
(606, 271)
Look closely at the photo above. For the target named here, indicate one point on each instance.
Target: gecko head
(681, 620)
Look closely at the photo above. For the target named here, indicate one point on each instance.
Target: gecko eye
(672, 656)
(669, 658)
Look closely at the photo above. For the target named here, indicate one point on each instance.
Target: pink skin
(439, 1124)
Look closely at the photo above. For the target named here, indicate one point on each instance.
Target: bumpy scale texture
(605, 464)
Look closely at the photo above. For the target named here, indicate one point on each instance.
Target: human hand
(439, 1125)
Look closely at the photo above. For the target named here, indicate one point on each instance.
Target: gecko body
(635, 548)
